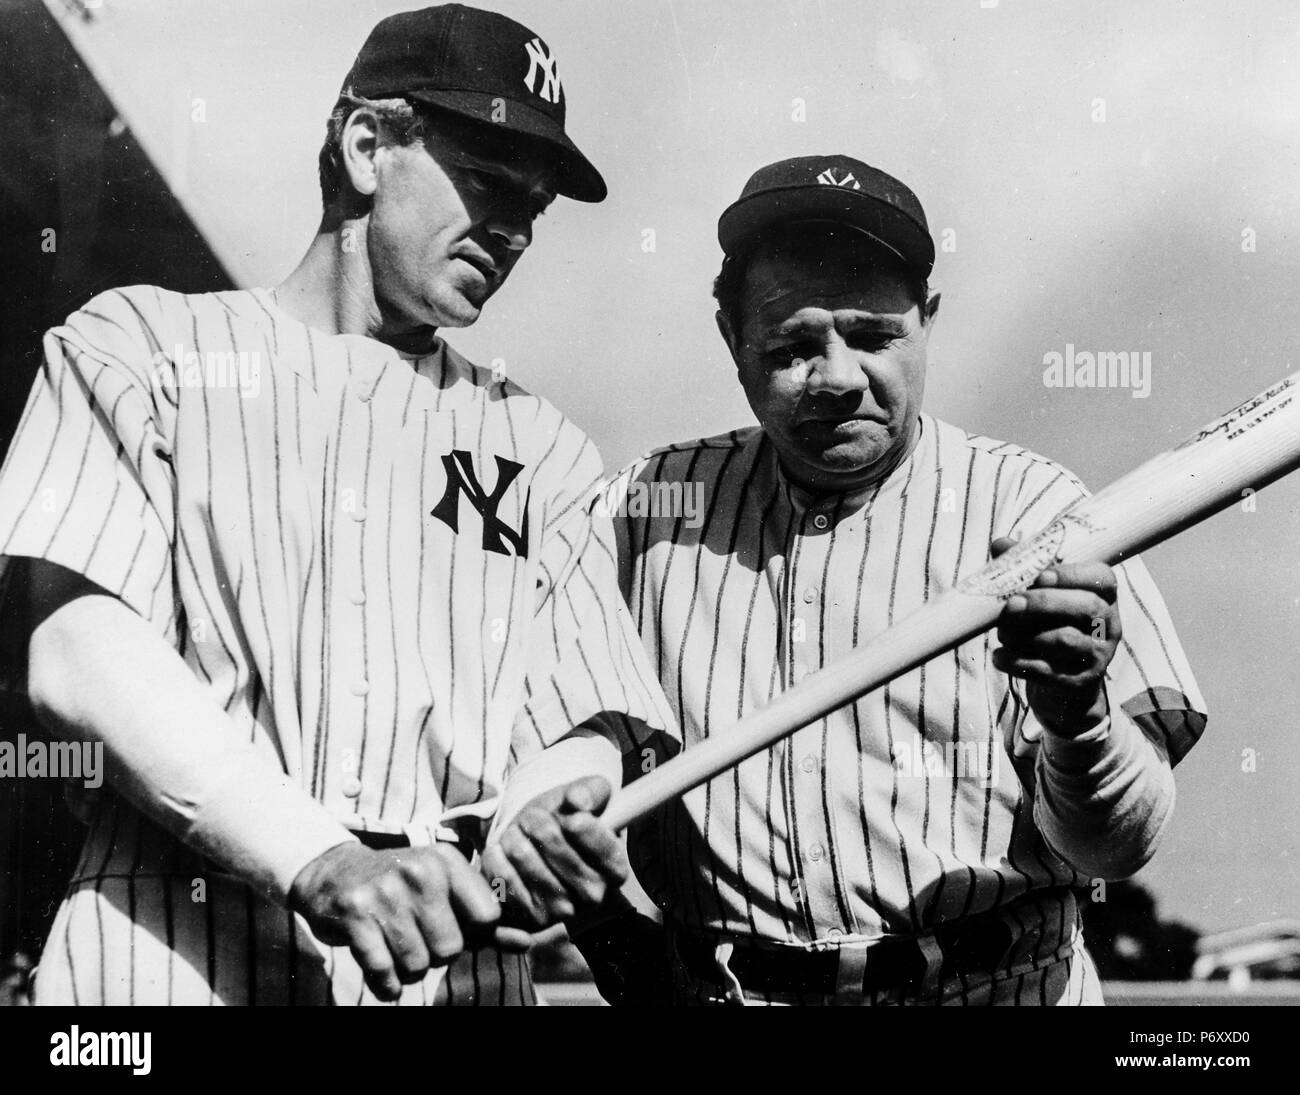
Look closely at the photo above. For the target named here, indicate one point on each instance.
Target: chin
(845, 462)
(868, 448)
(851, 457)
(843, 466)
(459, 312)
(463, 320)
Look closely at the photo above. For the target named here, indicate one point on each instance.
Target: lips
(838, 420)
(482, 265)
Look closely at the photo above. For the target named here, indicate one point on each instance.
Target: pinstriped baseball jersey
(380, 565)
(914, 805)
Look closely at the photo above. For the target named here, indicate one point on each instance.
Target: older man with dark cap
(929, 844)
(335, 612)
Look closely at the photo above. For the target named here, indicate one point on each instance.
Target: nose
(511, 226)
(836, 370)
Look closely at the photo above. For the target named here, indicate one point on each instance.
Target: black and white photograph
(651, 504)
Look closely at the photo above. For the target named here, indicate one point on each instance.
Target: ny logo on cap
(827, 178)
(541, 70)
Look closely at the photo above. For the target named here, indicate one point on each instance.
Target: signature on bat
(1231, 425)
(1018, 568)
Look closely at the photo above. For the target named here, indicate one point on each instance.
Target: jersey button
(809, 595)
(366, 380)
(809, 763)
(361, 687)
(351, 787)
(821, 522)
(815, 852)
(835, 933)
(358, 596)
(359, 514)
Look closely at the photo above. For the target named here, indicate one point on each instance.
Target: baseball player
(323, 588)
(929, 843)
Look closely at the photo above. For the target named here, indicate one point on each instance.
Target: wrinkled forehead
(780, 283)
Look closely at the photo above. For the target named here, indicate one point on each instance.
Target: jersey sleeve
(587, 666)
(88, 483)
(1149, 677)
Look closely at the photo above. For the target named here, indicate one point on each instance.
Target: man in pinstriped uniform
(930, 843)
(328, 592)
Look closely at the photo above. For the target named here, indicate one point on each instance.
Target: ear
(729, 336)
(931, 309)
(357, 147)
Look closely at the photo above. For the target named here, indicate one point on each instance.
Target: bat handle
(627, 805)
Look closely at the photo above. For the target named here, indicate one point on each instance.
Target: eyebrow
(537, 190)
(872, 321)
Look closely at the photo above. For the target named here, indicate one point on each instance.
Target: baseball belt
(381, 841)
(458, 837)
(975, 945)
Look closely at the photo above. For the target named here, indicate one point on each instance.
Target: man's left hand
(1059, 636)
(557, 859)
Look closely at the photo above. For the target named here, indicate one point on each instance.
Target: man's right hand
(400, 911)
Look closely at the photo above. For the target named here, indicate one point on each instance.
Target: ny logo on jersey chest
(462, 479)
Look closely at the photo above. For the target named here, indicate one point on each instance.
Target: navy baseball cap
(831, 188)
(479, 65)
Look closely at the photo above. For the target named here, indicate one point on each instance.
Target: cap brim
(575, 177)
(893, 230)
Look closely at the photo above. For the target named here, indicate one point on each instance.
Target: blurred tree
(1127, 939)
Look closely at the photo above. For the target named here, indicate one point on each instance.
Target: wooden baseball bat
(1248, 447)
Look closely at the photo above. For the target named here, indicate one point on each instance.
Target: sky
(1098, 174)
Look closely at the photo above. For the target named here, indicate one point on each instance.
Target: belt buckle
(854, 960)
